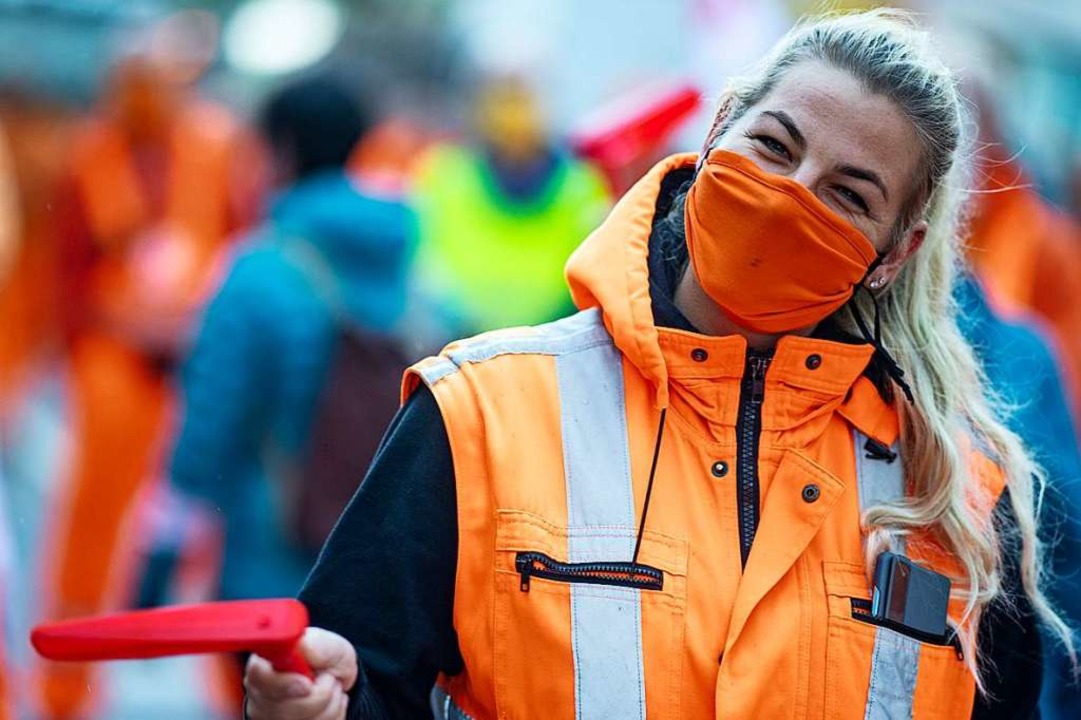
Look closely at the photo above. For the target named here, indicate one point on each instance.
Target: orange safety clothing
(553, 431)
(163, 226)
(148, 231)
(1029, 256)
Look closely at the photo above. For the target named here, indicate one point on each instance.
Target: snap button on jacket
(553, 431)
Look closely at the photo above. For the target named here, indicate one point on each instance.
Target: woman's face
(856, 151)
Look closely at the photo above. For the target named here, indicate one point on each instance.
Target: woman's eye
(773, 145)
(852, 197)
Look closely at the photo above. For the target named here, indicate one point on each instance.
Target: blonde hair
(953, 410)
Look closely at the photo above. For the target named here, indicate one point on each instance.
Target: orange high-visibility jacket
(553, 430)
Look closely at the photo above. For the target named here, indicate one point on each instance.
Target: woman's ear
(887, 270)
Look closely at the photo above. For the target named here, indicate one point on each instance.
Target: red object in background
(629, 133)
(270, 628)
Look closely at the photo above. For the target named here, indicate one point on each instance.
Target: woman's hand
(274, 695)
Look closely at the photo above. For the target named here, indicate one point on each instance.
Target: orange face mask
(765, 249)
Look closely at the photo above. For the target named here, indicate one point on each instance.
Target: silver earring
(877, 282)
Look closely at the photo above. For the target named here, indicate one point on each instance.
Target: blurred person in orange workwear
(1025, 251)
(159, 179)
(1026, 259)
(1028, 253)
(678, 502)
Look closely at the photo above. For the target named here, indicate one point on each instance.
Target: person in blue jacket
(250, 387)
(1022, 369)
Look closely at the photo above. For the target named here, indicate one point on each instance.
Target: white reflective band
(879, 481)
(894, 665)
(569, 335)
(896, 658)
(606, 626)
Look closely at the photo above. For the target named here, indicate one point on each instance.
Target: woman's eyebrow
(790, 125)
(868, 175)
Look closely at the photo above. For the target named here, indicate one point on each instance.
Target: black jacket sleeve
(1009, 638)
(385, 578)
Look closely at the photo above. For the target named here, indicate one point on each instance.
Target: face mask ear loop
(892, 368)
(878, 324)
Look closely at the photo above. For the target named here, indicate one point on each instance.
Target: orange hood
(610, 271)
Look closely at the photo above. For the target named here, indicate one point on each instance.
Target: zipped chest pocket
(569, 611)
(873, 669)
(533, 564)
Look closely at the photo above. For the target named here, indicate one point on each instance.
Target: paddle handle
(291, 660)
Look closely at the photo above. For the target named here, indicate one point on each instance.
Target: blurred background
(212, 213)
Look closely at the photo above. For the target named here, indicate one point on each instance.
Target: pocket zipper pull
(525, 568)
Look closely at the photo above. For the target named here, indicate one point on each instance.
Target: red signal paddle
(270, 628)
(619, 135)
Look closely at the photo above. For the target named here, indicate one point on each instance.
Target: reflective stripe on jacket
(553, 431)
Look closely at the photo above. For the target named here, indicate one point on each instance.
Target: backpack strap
(317, 270)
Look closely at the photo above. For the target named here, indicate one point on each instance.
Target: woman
(672, 503)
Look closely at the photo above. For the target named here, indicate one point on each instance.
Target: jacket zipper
(748, 427)
(622, 574)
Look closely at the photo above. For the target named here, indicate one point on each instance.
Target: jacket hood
(610, 271)
(367, 241)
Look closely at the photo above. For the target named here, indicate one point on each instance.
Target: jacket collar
(612, 270)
